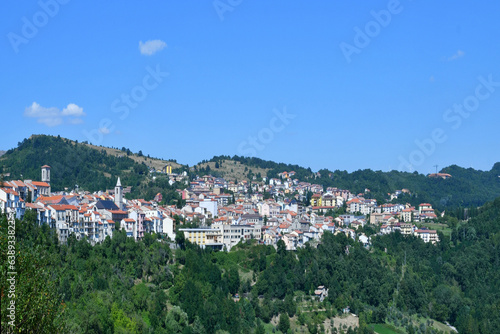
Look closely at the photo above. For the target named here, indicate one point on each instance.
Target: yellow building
(316, 200)
(167, 169)
(202, 236)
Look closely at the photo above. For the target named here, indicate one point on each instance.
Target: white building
(211, 206)
(10, 202)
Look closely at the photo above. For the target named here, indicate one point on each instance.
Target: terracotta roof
(118, 212)
(10, 191)
(60, 207)
(40, 184)
(19, 183)
(426, 231)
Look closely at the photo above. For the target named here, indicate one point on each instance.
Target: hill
(458, 282)
(72, 164)
(96, 168)
(466, 188)
(231, 170)
(144, 286)
(90, 167)
(155, 163)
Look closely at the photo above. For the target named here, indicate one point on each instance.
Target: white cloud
(149, 48)
(73, 110)
(50, 121)
(455, 56)
(36, 110)
(104, 130)
(53, 116)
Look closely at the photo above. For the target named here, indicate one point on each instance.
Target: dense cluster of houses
(226, 212)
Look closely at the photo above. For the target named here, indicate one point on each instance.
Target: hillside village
(223, 212)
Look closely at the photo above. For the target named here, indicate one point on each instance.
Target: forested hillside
(123, 286)
(74, 163)
(71, 164)
(93, 169)
(466, 188)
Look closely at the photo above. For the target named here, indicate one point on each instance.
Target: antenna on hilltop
(436, 168)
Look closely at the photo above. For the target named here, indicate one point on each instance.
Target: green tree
(233, 280)
(289, 305)
(33, 288)
(176, 320)
(122, 323)
(198, 327)
(180, 239)
(284, 323)
(259, 329)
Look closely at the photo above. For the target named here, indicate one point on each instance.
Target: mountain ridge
(96, 168)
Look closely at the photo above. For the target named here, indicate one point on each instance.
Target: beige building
(406, 215)
(406, 228)
(202, 236)
(427, 235)
(328, 200)
(376, 218)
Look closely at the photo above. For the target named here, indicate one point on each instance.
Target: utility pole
(436, 168)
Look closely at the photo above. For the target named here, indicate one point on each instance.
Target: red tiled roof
(426, 231)
(40, 184)
(118, 212)
(19, 183)
(60, 207)
(10, 191)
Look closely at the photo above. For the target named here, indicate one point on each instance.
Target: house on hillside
(427, 235)
(10, 202)
(321, 293)
(316, 200)
(443, 176)
(424, 207)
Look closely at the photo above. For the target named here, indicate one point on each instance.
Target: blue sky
(383, 85)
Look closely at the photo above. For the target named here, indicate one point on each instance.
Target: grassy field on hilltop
(232, 170)
(156, 163)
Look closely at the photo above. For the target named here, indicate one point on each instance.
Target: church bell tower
(119, 194)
